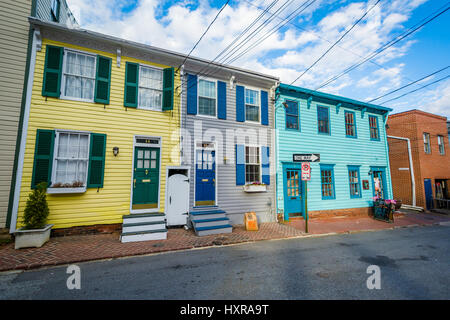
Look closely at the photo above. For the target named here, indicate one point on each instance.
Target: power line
(284, 21)
(329, 49)
(382, 48)
(223, 7)
(412, 91)
(407, 85)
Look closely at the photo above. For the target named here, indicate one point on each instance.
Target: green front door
(145, 178)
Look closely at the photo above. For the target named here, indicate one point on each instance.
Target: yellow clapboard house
(102, 128)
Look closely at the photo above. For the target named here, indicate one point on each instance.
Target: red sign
(306, 171)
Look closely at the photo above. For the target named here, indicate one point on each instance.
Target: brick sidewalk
(73, 249)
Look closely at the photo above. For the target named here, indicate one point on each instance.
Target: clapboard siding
(231, 197)
(14, 29)
(120, 124)
(334, 149)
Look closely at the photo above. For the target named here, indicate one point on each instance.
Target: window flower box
(66, 190)
(255, 187)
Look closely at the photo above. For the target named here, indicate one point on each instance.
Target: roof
(333, 99)
(417, 111)
(147, 48)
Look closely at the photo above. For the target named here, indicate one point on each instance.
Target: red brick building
(430, 156)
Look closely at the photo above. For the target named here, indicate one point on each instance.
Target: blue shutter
(264, 108)
(222, 100)
(265, 165)
(240, 165)
(240, 104)
(192, 94)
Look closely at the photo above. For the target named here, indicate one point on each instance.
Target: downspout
(37, 41)
(413, 182)
(181, 151)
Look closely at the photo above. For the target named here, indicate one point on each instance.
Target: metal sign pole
(306, 206)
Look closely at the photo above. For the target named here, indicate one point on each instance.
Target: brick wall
(412, 125)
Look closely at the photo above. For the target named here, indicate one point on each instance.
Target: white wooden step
(140, 218)
(144, 236)
(143, 226)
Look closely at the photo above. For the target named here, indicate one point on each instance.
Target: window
(79, 76)
(150, 88)
(426, 142)
(441, 145)
(350, 125)
(373, 125)
(252, 164)
(55, 10)
(71, 158)
(292, 115)
(354, 182)
(327, 180)
(251, 105)
(207, 98)
(323, 120)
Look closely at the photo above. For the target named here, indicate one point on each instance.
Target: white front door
(177, 200)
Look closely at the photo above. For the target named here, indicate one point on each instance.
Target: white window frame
(441, 143)
(55, 156)
(198, 97)
(63, 76)
(260, 162)
(138, 87)
(426, 142)
(258, 105)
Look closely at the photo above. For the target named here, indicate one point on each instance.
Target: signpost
(306, 176)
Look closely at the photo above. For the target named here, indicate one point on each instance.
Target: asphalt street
(414, 264)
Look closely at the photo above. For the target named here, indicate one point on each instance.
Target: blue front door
(205, 178)
(293, 195)
(379, 182)
(428, 193)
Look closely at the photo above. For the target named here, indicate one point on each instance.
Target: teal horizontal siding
(335, 149)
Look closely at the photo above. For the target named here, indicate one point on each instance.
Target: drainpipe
(181, 115)
(413, 182)
(276, 153)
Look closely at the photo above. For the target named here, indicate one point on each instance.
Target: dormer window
(55, 10)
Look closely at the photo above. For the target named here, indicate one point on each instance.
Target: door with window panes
(146, 178)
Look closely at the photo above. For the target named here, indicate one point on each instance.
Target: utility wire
(284, 21)
(384, 47)
(329, 49)
(407, 85)
(223, 7)
(412, 91)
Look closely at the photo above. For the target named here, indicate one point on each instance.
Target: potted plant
(35, 231)
(255, 187)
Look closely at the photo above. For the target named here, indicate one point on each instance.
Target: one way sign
(306, 157)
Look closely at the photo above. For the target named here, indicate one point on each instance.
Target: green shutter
(131, 84)
(43, 157)
(96, 160)
(102, 80)
(168, 84)
(52, 71)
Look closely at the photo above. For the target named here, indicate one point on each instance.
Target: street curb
(34, 266)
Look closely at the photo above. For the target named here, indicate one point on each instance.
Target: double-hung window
(323, 120)
(350, 125)
(292, 121)
(55, 10)
(441, 145)
(373, 125)
(252, 105)
(207, 97)
(426, 143)
(150, 88)
(71, 158)
(79, 76)
(354, 182)
(327, 181)
(252, 165)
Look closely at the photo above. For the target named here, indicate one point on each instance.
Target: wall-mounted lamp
(285, 105)
(370, 172)
(224, 160)
(115, 151)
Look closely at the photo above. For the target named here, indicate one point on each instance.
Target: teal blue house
(349, 137)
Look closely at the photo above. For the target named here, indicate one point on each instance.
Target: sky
(285, 49)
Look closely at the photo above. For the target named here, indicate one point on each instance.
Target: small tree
(36, 210)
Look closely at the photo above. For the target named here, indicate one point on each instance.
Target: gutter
(413, 181)
(23, 139)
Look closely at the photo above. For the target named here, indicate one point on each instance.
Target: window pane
(292, 108)
(150, 99)
(207, 106)
(251, 97)
(63, 145)
(150, 78)
(252, 113)
(207, 89)
(291, 122)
